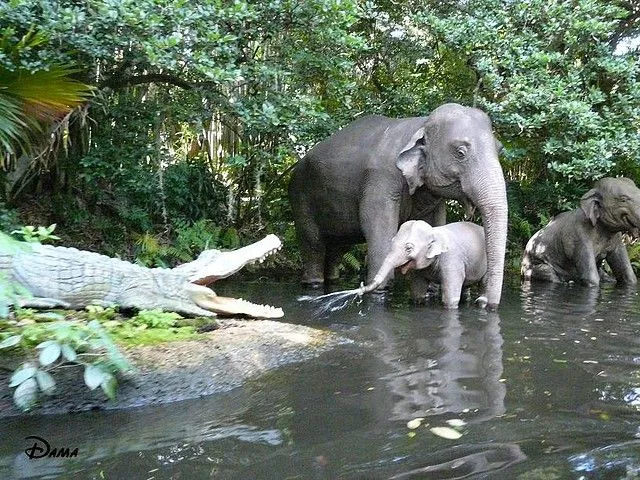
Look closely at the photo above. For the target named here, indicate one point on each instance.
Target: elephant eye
(461, 151)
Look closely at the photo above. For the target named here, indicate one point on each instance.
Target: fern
(350, 262)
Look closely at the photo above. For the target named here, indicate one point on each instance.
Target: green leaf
(11, 341)
(69, 352)
(46, 382)
(26, 394)
(109, 385)
(21, 375)
(50, 354)
(116, 358)
(94, 376)
(45, 344)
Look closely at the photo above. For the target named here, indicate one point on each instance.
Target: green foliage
(187, 242)
(61, 342)
(148, 327)
(86, 341)
(633, 249)
(549, 75)
(155, 319)
(199, 110)
(40, 234)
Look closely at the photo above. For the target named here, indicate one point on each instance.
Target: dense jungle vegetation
(151, 129)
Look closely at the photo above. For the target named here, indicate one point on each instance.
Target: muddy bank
(219, 361)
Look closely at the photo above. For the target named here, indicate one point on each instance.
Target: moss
(154, 336)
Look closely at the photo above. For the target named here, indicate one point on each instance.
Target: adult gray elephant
(574, 244)
(362, 182)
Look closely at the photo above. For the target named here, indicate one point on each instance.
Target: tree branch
(128, 81)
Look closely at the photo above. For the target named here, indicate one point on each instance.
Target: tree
(564, 101)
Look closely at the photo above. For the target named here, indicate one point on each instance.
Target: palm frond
(13, 124)
(45, 93)
(30, 99)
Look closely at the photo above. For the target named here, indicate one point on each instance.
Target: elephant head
(416, 246)
(455, 155)
(614, 203)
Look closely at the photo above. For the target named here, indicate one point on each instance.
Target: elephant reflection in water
(454, 373)
(432, 382)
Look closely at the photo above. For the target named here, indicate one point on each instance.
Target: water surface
(548, 388)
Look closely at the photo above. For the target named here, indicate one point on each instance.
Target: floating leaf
(26, 394)
(456, 422)
(50, 354)
(11, 341)
(415, 423)
(21, 375)
(46, 382)
(446, 432)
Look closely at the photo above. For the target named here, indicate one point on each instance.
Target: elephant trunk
(491, 199)
(390, 263)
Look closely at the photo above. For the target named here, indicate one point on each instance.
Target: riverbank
(216, 362)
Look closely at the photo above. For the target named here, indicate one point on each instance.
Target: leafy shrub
(31, 234)
(61, 342)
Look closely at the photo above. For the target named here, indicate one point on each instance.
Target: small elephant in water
(453, 255)
(574, 244)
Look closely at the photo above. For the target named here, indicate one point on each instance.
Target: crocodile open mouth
(207, 270)
(237, 306)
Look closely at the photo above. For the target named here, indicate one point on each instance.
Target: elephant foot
(482, 301)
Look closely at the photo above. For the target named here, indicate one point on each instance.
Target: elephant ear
(439, 243)
(590, 204)
(411, 160)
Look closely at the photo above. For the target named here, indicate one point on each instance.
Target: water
(325, 305)
(548, 387)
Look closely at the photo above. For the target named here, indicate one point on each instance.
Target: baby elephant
(574, 244)
(453, 255)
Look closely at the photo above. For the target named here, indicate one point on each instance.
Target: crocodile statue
(71, 278)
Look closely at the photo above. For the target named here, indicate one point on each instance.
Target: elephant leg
(333, 256)
(618, 260)
(604, 275)
(312, 247)
(379, 218)
(421, 287)
(451, 285)
(585, 264)
(438, 215)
